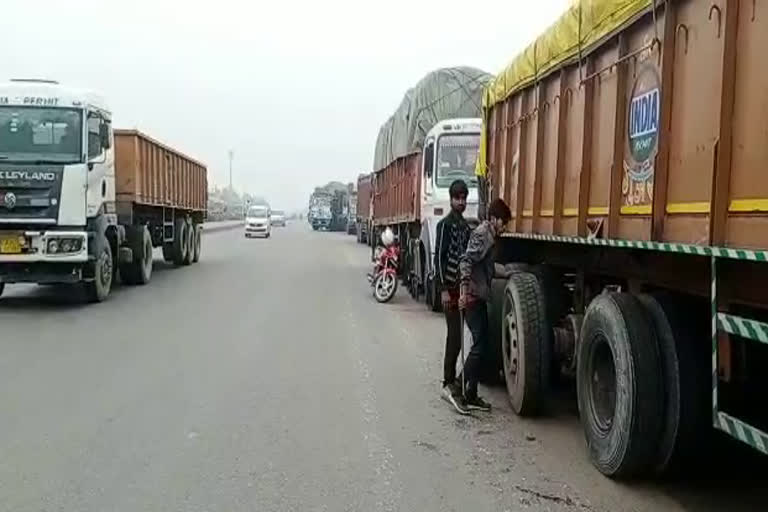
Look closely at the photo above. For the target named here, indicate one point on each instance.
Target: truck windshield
(34, 134)
(257, 211)
(456, 158)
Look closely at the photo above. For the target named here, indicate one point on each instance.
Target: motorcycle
(383, 279)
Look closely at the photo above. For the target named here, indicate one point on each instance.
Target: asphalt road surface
(266, 378)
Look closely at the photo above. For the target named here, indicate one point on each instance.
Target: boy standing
(450, 244)
(476, 270)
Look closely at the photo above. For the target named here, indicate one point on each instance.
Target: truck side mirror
(429, 159)
(104, 136)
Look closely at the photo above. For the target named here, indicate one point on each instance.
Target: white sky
(297, 89)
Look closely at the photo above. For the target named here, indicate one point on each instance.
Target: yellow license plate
(10, 246)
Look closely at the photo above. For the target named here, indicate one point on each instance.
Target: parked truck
(81, 203)
(363, 208)
(320, 209)
(339, 210)
(352, 209)
(431, 140)
(629, 142)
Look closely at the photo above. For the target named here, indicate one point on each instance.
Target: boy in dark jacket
(477, 269)
(450, 244)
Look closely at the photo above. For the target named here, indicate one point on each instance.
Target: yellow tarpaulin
(581, 26)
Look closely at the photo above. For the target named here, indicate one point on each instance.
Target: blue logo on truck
(644, 124)
(643, 129)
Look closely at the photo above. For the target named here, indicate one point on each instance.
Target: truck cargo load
(626, 141)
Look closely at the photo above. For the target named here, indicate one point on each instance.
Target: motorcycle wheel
(384, 287)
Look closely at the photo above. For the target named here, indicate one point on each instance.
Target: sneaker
(456, 401)
(477, 404)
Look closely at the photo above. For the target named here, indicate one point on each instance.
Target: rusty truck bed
(396, 191)
(658, 133)
(151, 173)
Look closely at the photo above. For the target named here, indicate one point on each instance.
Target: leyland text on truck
(633, 159)
(79, 202)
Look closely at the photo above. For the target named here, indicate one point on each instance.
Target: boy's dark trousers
(476, 316)
(452, 339)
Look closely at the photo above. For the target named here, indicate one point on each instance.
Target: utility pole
(231, 157)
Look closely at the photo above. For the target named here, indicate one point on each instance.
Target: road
(267, 378)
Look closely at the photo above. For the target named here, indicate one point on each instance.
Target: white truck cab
(57, 182)
(450, 153)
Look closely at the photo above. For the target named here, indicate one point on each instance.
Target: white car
(257, 222)
(277, 218)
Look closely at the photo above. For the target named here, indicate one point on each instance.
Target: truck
(84, 204)
(630, 149)
(339, 210)
(320, 209)
(352, 209)
(432, 139)
(363, 208)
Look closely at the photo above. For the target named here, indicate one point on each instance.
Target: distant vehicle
(277, 218)
(257, 221)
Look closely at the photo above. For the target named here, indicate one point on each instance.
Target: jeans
(476, 316)
(452, 343)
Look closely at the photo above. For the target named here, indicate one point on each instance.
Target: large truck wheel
(99, 288)
(432, 296)
(494, 361)
(190, 243)
(180, 242)
(139, 270)
(526, 344)
(618, 381)
(685, 370)
(198, 231)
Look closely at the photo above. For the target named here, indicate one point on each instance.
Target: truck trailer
(432, 139)
(83, 204)
(363, 209)
(629, 148)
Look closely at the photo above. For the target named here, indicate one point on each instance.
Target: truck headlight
(64, 245)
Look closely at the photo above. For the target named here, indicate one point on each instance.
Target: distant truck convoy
(633, 160)
(81, 203)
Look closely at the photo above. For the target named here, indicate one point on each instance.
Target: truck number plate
(10, 245)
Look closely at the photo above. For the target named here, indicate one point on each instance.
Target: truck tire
(432, 296)
(138, 271)
(494, 363)
(100, 287)
(526, 345)
(190, 243)
(685, 370)
(180, 242)
(618, 381)
(198, 231)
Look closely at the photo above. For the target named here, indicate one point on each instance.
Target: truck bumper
(39, 263)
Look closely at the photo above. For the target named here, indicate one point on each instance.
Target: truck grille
(30, 193)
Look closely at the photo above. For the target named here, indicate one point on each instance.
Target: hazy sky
(297, 89)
